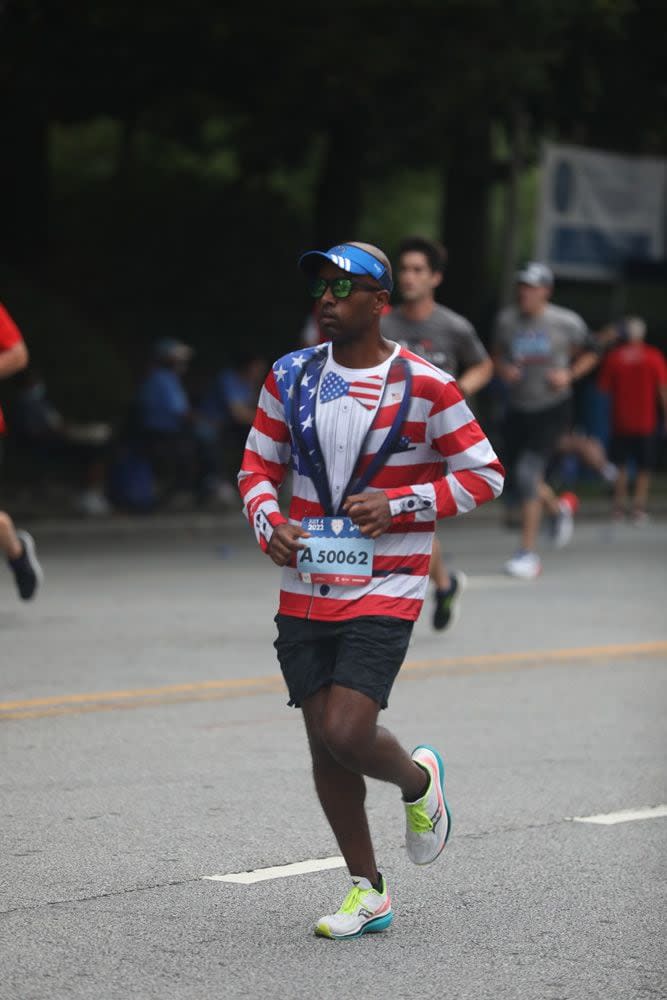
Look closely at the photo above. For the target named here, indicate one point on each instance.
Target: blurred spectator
(163, 422)
(450, 342)
(57, 445)
(225, 416)
(17, 546)
(539, 350)
(634, 374)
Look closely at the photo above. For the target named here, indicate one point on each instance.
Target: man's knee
(347, 737)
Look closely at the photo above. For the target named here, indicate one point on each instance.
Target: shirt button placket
(342, 433)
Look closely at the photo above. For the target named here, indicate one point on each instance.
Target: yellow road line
(236, 687)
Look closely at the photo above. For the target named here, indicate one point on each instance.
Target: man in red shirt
(635, 376)
(18, 546)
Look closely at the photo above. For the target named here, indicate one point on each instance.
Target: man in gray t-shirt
(538, 347)
(442, 337)
(539, 350)
(449, 342)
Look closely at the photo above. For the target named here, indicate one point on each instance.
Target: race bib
(336, 553)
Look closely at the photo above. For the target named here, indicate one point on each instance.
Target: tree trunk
(509, 237)
(24, 185)
(467, 180)
(338, 197)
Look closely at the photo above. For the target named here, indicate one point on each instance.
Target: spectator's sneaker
(524, 565)
(26, 569)
(447, 602)
(428, 820)
(562, 527)
(364, 910)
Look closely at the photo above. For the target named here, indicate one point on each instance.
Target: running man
(366, 427)
(449, 342)
(539, 350)
(17, 546)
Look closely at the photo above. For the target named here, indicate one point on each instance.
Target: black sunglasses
(340, 287)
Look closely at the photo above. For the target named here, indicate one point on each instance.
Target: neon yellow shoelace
(354, 899)
(419, 820)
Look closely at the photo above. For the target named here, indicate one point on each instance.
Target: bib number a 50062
(336, 553)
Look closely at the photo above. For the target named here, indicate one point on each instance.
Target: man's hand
(559, 378)
(285, 542)
(370, 511)
(508, 372)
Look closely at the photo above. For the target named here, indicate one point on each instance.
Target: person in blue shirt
(164, 420)
(226, 414)
(162, 401)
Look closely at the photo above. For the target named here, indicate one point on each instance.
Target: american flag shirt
(330, 426)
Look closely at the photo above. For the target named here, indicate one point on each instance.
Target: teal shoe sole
(372, 927)
(441, 770)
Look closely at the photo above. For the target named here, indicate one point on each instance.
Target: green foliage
(194, 152)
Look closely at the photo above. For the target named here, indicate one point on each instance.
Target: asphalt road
(146, 743)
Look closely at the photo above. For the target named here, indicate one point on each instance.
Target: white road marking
(280, 871)
(325, 864)
(623, 816)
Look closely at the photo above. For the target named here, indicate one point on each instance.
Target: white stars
(280, 373)
(298, 360)
(306, 379)
(312, 392)
(290, 392)
(308, 422)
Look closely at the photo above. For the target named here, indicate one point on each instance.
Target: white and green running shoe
(364, 910)
(428, 820)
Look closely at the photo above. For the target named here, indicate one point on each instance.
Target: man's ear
(381, 301)
(437, 279)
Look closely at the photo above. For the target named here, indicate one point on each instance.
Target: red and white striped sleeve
(474, 473)
(265, 462)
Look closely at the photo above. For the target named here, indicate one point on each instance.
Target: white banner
(598, 210)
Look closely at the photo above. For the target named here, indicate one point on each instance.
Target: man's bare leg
(640, 498)
(549, 499)
(621, 491)
(437, 569)
(10, 543)
(345, 744)
(531, 515)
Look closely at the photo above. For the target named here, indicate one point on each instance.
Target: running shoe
(447, 602)
(27, 571)
(364, 911)
(524, 565)
(562, 527)
(428, 820)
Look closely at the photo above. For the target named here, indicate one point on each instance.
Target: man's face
(346, 320)
(416, 280)
(531, 299)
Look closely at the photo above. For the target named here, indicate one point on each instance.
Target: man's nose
(328, 295)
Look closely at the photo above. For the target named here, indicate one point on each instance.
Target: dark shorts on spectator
(638, 448)
(364, 654)
(537, 431)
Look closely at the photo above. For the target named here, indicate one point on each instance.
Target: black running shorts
(364, 654)
(538, 431)
(638, 448)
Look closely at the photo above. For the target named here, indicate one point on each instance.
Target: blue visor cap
(351, 259)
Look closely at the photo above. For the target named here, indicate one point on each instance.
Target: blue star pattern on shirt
(300, 407)
(333, 387)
